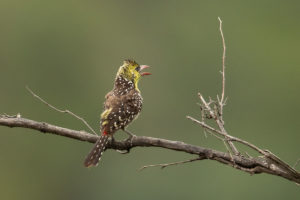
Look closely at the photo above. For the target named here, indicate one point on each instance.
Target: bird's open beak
(142, 67)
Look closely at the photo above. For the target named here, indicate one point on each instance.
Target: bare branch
(223, 62)
(162, 166)
(222, 131)
(226, 136)
(61, 111)
(216, 112)
(204, 125)
(249, 165)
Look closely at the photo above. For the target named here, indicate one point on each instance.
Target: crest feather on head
(129, 71)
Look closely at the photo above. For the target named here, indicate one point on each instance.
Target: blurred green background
(69, 51)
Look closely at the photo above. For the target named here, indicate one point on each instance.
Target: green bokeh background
(69, 51)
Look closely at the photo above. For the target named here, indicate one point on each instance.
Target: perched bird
(122, 105)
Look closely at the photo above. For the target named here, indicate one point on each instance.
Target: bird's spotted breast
(125, 103)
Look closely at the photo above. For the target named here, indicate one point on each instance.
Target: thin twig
(231, 138)
(162, 166)
(214, 134)
(247, 154)
(217, 112)
(222, 132)
(227, 137)
(61, 111)
(204, 125)
(228, 150)
(223, 62)
(296, 163)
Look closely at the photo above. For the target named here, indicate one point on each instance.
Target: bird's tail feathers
(95, 154)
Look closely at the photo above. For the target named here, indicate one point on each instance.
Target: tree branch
(258, 165)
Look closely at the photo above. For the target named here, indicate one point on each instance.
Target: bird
(122, 105)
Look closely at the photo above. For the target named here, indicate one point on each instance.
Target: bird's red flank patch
(105, 133)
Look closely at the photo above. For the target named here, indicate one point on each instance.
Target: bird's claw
(123, 151)
(130, 139)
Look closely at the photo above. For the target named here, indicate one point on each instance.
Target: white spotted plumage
(123, 105)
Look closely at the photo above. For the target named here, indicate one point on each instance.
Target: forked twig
(216, 112)
(227, 136)
(59, 110)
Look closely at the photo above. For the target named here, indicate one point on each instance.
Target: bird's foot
(119, 151)
(112, 139)
(128, 133)
(131, 136)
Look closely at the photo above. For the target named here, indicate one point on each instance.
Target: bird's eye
(138, 68)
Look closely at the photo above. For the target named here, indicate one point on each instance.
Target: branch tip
(61, 111)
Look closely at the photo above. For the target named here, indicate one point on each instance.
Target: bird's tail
(95, 154)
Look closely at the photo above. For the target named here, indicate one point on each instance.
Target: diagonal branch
(228, 137)
(59, 110)
(250, 165)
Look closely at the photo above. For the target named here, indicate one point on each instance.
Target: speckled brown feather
(124, 103)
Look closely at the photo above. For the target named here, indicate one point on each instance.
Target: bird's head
(132, 71)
